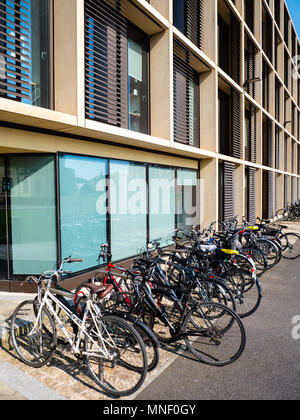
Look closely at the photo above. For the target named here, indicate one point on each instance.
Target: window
(83, 209)
(128, 208)
(267, 33)
(123, 203)
(247, 135)
(249, 13)
(186, 99)
(25, 54)
(116, 67)
(33, 214)
(138, 48)
(188, 19)
(224, 123)
(229, 42)
(161, 203)
(186, 199)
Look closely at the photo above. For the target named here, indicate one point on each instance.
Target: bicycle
(117, 279)
(113, 350)
(213, 333)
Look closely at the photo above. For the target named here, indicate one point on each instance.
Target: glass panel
(162, 203)
(179, 15)
(3, 239)
(128, 207)
(33, 214)
(83, 208)
(40, 53)
(138, 46)
(186, 198)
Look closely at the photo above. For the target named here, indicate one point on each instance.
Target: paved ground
(268, 369)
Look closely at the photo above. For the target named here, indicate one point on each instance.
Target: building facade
(122, 120)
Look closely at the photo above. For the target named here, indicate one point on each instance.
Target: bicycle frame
(90, 309)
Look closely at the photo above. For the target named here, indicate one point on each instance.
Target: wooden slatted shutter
(285, 190)
(253, 134)
(251, 67)
(276, 192)
(15, 50)
(194, 21)
(106, 58)
(186, 98)
(270, 194)
(228, 190)
(236, 123)
(235, 49)
(251, 195)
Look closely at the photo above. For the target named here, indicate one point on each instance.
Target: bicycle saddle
(100, 291)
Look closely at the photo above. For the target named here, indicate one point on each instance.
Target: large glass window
(161, 203)
(33, 214)
(25, 51)
(83, 208)
(128, 208)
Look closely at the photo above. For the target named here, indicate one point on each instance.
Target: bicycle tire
(117, 377)
(290, 242)
(35, 349)
(259, 259)
(209, 347)
(248, 294)
(214, 290)
(173, 311)
(270, 250)
(149, 338)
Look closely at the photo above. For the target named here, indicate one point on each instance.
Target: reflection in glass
(186, 196)
(33, 214)
(3, 238)
(83, 208)
(162, 203)
(128, 208)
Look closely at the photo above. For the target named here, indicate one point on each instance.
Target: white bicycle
(114, 351)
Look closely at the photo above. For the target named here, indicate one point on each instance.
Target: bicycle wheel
(270, 250)
(282, 214)
(247, 293)
(34, 340)
(172, 311)
(209, 339)
(290, 245)
(121, 367)
(213, 290)
(69, 325)
(149, 338)
(259, 259)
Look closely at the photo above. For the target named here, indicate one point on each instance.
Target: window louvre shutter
(186, 102)
(15, 50)
(194, 21)
(270, 194)
(253, 133)
(235, 49)
(106, 62)
(236, 124)
(252, 195)
(228, 190)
